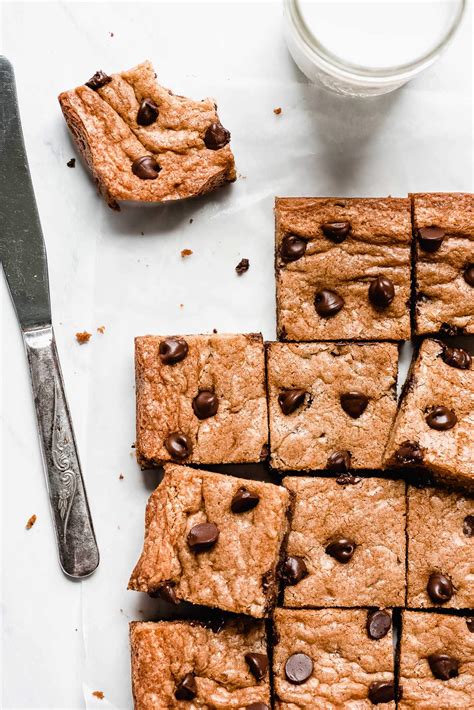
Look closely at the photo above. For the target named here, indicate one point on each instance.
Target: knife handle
(77, 546)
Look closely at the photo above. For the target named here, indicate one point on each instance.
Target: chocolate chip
(468, 526)
(147, 113)
(381, 292)
(290, 400)
(205, 404)
(178, 445)
(257, 706)
(292, 248)
(382, 691)
(336, 231)
(470, 624)
(258, 664)
(354, 403)
(168, 593)
(99, 80)
(341, 549)
(242, 266)
(409, 454)
(379, 623)
(146, 168)
(294, 570)
(439, 588)
(346, 479)
(216, 136)
(443, 666)
(451, 330)
(457, 357)
(186, 688)
(339, 461)
(202, 536)
(430, 238)
(172, 350)
(298, 668)
(327, 303)
(441, 418)
(244, 500)
(468, 274)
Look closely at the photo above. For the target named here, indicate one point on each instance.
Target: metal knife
(23, 256)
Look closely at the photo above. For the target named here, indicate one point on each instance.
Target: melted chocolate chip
(439, 588)
(205, 404)
(339, 461)
(441, 418)
(294, 570)
(258, 664)
(298, 668)
(178, 445)
(290, 400)
(443, 666)
(336, 231)
(468, 274)
(242, 266)
(430, 238)
(146, 168)
(186, 688)
(172, 350)
(354, 403)
(257, 706)
(347, 479)
(292, 248)
(381, 691)
(457, 357)
(451, 330)
(328, 303)
(99, 80)
(168, 593)
(409, 454)
(379, 623)
(147, 113)
(216, 136)
(341, 549)
(202, 536)
(470, 624)
(381, 292)
(244, 500)
(468, 526)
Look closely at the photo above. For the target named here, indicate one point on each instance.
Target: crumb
(98, 694)
(277, 111)
(31, 522)
(142, 233)
(111, 34)
(186, 252)
(214, 330)
(101, 329)
(75, 629)
(121, 611)
(133, 446)
(121, 477)
(191, 221)
(181, 305)
(242, 266)
(83, 337)
(71, 163)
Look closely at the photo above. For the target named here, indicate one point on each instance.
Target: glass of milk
(368, 47)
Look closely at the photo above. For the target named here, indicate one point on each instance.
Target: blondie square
(143, 143)
(330, 405)
(333, 658)
(434, 426)
(444, 265)
(347, 543)
(214, 540)
(179, 664)
(343, 268)
(200, 399)
(440, 549)
(436, 662)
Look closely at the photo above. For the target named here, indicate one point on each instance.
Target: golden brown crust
(104, 127)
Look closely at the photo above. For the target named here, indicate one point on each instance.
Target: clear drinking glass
(368, 47)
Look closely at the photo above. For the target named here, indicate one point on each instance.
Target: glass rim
(346, 68)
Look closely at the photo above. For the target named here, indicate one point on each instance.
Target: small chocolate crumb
(186, 252)
(277, 111)
(83, 337)
(242, 266)
(71, 163)
(191, 221)
(121, 477)
(31, 521)
(98, 694)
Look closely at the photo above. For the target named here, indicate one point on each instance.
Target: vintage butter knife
(23, 256)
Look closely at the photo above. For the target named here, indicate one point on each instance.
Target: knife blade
(23, 257)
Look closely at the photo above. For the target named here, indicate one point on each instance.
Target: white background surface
(63, 640)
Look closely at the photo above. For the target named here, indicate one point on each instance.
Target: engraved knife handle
(77, 547)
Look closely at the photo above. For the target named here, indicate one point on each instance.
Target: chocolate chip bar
(346, 545)
(434, 426)
(443, 227)
(186, 665)
(343, 268)
(143, 143)
(436, 661)
(440, 548)
(214, 540)
(200, 399)
(327, 401)
(333, 658)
